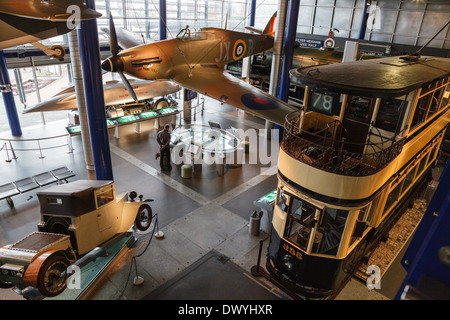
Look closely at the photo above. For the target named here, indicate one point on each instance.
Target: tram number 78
(322, 103)
(292, 251)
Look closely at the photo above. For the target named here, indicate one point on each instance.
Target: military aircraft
(196, 61)
(29, 21)
(116, 97)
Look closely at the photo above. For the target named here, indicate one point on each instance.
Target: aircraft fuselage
(210, 47)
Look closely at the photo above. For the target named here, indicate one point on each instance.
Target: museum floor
(207, 250)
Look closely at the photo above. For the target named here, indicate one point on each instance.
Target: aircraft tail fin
(270, 27)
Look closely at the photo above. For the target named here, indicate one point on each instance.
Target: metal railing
(32, 145)
(328, 148)
(194, 111)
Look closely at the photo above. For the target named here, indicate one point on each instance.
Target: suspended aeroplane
(196, 61)
(29, 21)
(115, 95)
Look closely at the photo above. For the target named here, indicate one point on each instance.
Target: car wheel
(143, 217)
(52, 276)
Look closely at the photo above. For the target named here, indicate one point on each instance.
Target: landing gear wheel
(59, 52)
(162, 104)
(143, 217)
(50, 281)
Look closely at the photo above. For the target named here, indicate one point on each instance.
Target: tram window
(282, 201)
(429, 87)
(422, 165)
(421, 110)
(329, 232)
(392, 197)
(390, 114)
(434, 106)
(434, 153)
(362, 223)
(409, 179)
(446, 94)
(359, 108)
(300, 221)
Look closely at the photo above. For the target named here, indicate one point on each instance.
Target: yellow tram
(362, 145)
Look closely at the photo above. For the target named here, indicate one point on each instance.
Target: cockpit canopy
(186, 34)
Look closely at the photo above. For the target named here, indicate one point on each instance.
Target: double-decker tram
(351, 159)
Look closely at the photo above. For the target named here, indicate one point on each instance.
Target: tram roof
(381, 78)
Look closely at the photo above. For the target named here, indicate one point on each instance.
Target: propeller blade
(128, 86)
(114, 45)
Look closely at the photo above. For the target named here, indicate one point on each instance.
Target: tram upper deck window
(421, 110)
(445, 98)
(359, 108)
(390, 114)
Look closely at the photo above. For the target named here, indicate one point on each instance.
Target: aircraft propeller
(115, 63)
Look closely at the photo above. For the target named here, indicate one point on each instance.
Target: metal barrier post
(12, 150)
(69, 143)
(6, 149)
(41, 156)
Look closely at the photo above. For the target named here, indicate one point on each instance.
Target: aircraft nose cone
(113, 64)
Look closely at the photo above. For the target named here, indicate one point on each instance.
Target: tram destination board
(130, 118)
(325, 103)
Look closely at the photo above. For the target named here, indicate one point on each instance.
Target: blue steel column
(162, 20)
(8, 98)
(288, 54)
(362, 28)
(252, 13)
(95, 100)
(289, 45)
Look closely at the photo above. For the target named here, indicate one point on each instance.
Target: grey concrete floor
(197, 216)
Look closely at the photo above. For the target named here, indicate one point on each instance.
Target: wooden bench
(39, 180)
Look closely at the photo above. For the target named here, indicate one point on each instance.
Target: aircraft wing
(55, 10)
(216, 83)
(127, 39)
(115, 94)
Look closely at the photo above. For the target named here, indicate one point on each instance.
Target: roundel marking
(239, 49)
(254, 102)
